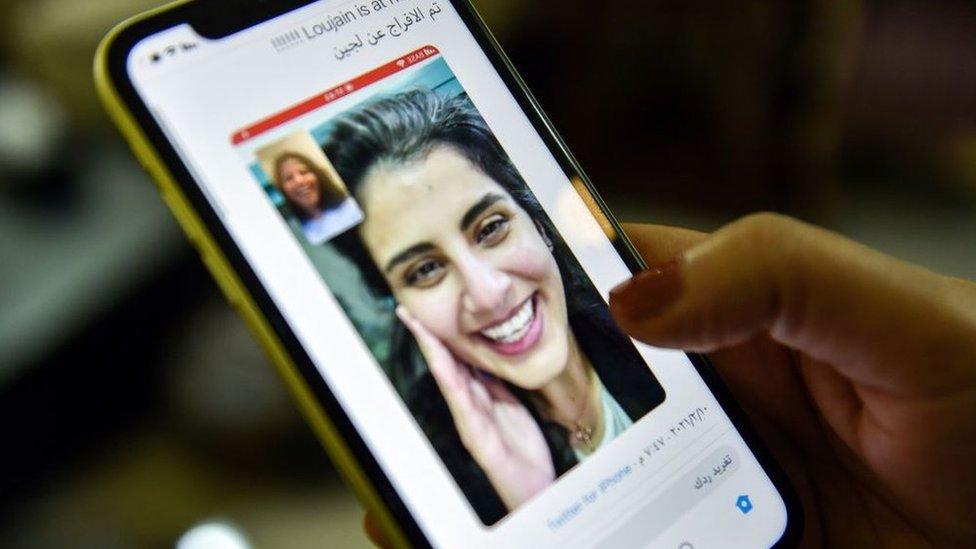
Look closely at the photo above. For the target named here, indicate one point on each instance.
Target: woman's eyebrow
(480, 206)
(410, 252)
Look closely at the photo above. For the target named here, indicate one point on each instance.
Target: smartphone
(378, 194)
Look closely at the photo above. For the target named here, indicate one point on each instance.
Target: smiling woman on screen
(323, 207)
(513, 360)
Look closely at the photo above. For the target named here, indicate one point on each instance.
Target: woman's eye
(426, 273)
(492, 230)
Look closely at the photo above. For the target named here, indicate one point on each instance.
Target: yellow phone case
(235, 291)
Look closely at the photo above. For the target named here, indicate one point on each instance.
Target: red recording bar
(334, 93)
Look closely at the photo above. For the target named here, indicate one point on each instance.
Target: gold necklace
(581, 433)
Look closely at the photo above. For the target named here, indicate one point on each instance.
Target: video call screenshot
(407, 204)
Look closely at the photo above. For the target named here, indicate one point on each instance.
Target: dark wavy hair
(405, 127)
(330, 194)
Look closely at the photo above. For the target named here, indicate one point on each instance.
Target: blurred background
(136, 409)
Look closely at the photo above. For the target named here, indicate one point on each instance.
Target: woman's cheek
(530, 259)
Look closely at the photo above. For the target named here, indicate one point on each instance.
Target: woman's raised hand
(497, 430)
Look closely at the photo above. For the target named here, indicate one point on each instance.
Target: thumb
(873, 317)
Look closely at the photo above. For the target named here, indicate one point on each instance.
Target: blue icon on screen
(744, 504)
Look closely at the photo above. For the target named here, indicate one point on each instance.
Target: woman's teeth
(515, 327)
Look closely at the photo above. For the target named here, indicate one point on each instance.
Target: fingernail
(649, 292)
(402, 313)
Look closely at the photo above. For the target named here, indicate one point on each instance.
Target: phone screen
(448, 282)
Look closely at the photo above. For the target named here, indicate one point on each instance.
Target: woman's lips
(519, 332)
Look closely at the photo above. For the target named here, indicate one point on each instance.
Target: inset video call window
(302, 182)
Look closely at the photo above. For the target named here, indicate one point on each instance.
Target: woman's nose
(486, 287)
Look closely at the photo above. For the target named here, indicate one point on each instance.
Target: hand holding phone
(812, 330)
